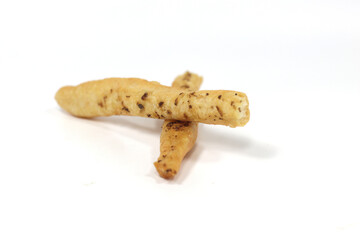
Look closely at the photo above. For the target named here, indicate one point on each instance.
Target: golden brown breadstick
(138, 97)
(177, 137)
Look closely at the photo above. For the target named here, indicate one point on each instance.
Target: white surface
(291, 173)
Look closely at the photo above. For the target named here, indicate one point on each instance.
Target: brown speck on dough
(127, 96)
(160, 104)
(221, 119)
(101, 104)
(175, 172)
(162, 116)
(239, 109)
(219, 97)
(125, 109)
(232, 103)
(207, 94)
(105, 97)
(181, 93)
(168, 170)
(212, 107)
(190, 106)
(111, 90)
(192, 94)
(149, 115)
(140, 106)
(168, 112)
(176, 136)
(185, 86)
(176, 102)
(185, 116)
(159, 160)
(157, 114)
(164, 156)
(219, 110)
(214, 120)
(144, 96)
(164, 164)
(235, 94)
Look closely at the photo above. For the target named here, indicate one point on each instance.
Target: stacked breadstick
(182, 107)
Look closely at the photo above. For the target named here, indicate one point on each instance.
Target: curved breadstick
(138, 97)
(177, 137)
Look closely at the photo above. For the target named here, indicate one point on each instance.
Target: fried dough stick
(138, 97)
(177, 137)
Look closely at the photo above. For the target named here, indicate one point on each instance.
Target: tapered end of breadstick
(187, 81)
(176, 140)
(165, 173)
(64, 97)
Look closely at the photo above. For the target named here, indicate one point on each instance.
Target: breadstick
(177, 137)
(138, 97)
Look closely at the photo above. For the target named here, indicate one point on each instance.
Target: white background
(291, 173)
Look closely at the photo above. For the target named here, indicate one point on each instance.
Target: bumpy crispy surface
(138, 97)
(177, 137)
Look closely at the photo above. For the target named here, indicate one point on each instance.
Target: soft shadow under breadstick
(177, 137)
(138, 97)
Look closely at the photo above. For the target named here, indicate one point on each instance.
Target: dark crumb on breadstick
(140, 106)
(144, 96)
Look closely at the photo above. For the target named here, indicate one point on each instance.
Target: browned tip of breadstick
(187, 81)
(176, 140)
